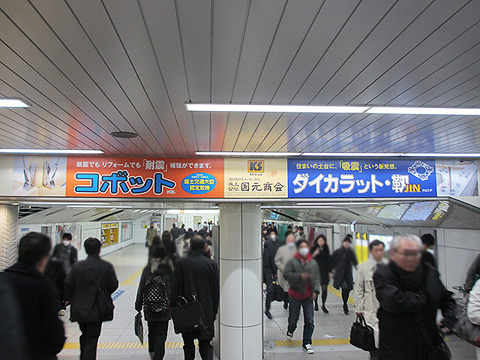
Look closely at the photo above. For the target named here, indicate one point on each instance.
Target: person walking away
(473, 274)
(182, 230)
(473, 309)
(321, 254)
(343, 261)
(284, 255)
(301, 235)
(153, 296)
(427, 257)
(175, 232)
(269, 269)
(410, 293)
(55, 273)
(151, 232)
(303, 276)
(198, 271)
(88, 286)
(36, 300)
(169, 244)
(366, 302)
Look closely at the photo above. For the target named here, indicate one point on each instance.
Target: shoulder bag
(188, 315)
(465, 329)
(104, 301)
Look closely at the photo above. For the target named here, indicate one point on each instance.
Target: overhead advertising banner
(319, 178)
(256, 178)
(145, 177)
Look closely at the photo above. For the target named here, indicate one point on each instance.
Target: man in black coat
(409, 293)
(43, 330)
(90, 283)
(269, 268)
(197, 274)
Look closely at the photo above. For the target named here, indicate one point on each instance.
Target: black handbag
(189, 315)
(138, 327)
(362, 335)
(440, 351)
(278, 292)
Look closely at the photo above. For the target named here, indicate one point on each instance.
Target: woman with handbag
(153, 296)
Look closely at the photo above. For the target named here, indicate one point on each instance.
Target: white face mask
(273, 237)
(291, 244)
(66, 242)
(303, 252)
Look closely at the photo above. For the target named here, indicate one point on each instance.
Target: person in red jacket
(303, 276)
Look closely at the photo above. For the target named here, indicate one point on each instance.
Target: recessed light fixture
(50, 151)
(101, 206)
(332, 109)
(12, 103)
(124, 134)
(276, 108)
(240, 153)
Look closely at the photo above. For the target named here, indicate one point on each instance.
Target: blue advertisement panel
(334, 178)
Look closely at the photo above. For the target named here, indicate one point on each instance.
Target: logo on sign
(256, 166)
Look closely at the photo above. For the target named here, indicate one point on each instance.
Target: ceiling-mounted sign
(145, 177)
(320, 178)
(256, 178)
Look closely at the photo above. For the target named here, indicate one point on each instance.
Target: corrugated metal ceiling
(92, 67)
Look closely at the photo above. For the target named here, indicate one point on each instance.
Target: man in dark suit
(43, 330)
(197, 274)
(90, 284)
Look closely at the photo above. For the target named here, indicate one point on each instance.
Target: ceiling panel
(92, 67)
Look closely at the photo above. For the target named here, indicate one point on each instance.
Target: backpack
(155, 295)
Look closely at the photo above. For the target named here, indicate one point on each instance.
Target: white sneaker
(308, 349)
(289, 335)
(61, 312)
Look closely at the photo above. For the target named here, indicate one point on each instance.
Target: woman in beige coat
(284, 254)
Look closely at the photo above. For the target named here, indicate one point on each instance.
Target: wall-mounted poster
(127, 231)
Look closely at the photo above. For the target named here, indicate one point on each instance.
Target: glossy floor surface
(119, 342)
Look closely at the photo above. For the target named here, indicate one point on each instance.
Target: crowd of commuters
(399, 299)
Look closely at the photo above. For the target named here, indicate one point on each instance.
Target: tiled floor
(119, 332)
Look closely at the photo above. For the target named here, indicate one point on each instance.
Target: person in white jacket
(366, 302)
(283, 256)
(473, 308)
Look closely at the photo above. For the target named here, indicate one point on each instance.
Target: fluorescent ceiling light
(175, 211)
(241, 153)
(50, 151)
(101, 206)
(12, 103)
(331, 109)
(71, 203)
(422, 111)
(277, 108)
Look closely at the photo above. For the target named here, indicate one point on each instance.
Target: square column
(8, 235)
(241, 277)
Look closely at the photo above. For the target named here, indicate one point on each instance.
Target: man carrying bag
(196, 288)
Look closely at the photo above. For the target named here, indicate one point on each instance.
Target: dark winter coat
(56, 274)
(165, 269)
(293, 274)
(405, 306)
(44, 331)
(343, 261)
(69, 254)
(202, 272)
(82, 284)
(324, 262)
(269, 268)
(171, 249)
(175, 233)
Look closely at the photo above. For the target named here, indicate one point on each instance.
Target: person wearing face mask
(303, 276)
(269, 269)
(284, 254)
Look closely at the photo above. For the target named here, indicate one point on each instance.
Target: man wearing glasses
(409, 294)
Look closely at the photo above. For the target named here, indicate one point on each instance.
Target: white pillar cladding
(241, 296)
(8, 235)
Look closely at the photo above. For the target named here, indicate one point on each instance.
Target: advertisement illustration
(314, 178)
(138, 177)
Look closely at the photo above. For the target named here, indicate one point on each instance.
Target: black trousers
(89, 340)
(269, 298)
(205, 347)
(157, 335)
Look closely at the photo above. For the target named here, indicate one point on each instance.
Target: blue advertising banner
(320, 178)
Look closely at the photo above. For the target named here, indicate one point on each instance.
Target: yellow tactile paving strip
(339, 294)
(132, 278)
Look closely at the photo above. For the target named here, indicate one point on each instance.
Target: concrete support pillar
(241, 297)
(8, 235)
